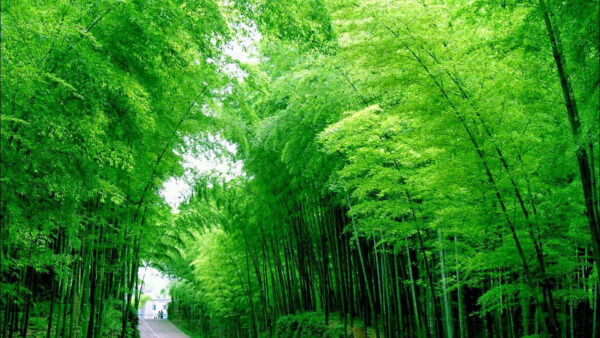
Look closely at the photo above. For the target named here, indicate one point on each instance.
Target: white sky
(200, 161)
(154, 282)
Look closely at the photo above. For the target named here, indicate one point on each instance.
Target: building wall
(152, 307)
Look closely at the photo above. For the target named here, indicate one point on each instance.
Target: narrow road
(153, 328)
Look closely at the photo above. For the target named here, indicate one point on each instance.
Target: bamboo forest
(300, 168)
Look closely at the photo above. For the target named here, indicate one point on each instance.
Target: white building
(155, 294)
(152, 307)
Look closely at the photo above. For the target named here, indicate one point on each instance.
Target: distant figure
(160, 314)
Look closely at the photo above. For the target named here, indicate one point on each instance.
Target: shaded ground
(152, 328)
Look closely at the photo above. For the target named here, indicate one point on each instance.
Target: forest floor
(152, 328)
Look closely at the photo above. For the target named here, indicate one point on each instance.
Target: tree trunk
(586, 174)
(447, 307)
(461, 315)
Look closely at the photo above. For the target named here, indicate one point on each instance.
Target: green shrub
(307, 325)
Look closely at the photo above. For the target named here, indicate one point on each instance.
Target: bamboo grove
(410, 168)
(94, 97)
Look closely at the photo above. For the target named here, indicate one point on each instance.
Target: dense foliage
(94, 98)
(410, 168)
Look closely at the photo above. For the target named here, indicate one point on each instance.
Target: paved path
(153, 328)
